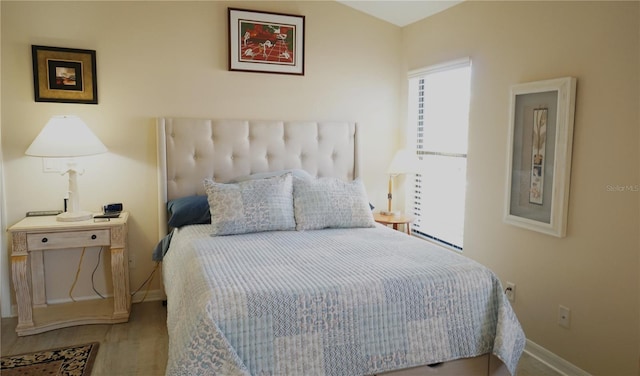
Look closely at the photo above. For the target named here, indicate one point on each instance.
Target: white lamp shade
(404, 162)
(65, 136)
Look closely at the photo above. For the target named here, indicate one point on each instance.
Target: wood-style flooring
(139, 347)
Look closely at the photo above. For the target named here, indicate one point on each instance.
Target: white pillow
(251, 206)
(330, 203)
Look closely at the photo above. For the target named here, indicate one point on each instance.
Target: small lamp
(404, 162)
(67, 137)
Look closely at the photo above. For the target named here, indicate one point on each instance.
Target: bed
(289, 275)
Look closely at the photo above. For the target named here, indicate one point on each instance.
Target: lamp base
(74, 216)
(394, 213)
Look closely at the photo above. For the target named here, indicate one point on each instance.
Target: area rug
(68, 361)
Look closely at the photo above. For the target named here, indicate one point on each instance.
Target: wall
(594, 269)
(5, 289)
(170, 59)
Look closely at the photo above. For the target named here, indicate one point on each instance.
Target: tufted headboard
(190, 150)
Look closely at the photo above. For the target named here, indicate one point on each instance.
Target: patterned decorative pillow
(330, 203)
(251, 206)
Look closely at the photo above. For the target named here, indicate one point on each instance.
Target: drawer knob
(44, 240)
(94, 237)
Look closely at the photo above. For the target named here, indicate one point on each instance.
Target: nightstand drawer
(73, 239)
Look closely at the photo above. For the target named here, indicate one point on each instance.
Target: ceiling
(399, 12)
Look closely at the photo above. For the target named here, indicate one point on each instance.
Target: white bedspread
(328, 302)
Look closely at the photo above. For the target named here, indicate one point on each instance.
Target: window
(438, 131)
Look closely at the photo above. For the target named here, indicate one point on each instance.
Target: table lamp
(67, 137)
(404, 162)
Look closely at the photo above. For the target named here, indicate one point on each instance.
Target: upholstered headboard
(190, 150)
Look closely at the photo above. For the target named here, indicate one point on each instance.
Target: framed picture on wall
(64, 75)
(266, 42)
(539, 155)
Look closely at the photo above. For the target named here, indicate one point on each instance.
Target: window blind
(439, 107)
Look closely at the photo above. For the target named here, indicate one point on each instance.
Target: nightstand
(33, 236)
(395, 220)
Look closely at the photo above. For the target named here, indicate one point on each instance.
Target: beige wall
(5, 289)
(170, 59)
(594, 270)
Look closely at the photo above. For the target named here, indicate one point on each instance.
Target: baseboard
(152, 295)
(76, 298)
(553, 361)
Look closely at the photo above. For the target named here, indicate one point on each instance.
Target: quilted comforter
(328, 302)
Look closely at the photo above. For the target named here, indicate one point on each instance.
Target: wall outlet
(132, 262)
(510, 291)
(51, 165)
(564, 316)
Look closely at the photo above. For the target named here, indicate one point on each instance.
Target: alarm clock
(114, 208)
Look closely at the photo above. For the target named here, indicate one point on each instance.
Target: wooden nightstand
(395, 220)
(33, 236)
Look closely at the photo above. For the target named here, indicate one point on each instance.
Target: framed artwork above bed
(266, 42)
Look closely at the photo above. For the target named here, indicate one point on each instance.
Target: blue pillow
(190, 210)
(162, 247)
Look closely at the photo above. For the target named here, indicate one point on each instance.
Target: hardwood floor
(139, 347)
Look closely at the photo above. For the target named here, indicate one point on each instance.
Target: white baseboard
(77, 299)
(553, 361)
(152, 295)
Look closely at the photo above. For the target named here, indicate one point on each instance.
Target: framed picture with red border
(266, 42)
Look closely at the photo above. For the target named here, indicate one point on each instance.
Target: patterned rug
(68, 361)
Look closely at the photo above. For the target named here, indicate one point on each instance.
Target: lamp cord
(147, 282)
(93, 286)
(75, 280)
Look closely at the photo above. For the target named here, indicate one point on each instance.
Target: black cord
(93, 286)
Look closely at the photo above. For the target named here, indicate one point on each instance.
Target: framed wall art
(64, 75)
(266, 42)
(539, 155)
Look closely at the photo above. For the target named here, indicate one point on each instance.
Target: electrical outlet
(510, 291)
(56, 165)
(132, 262)
(564, 316)
(51, 165)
